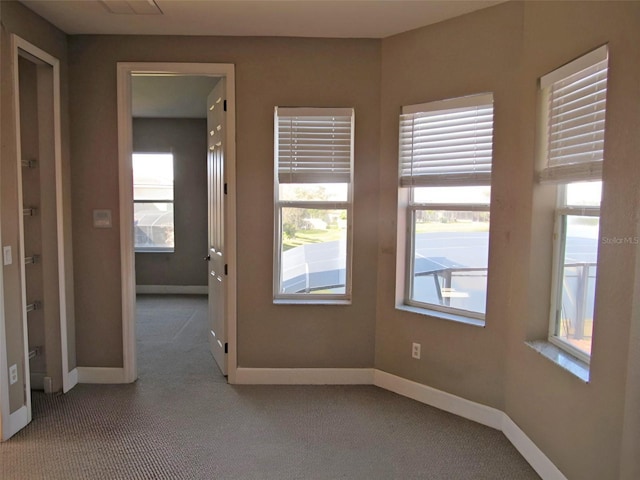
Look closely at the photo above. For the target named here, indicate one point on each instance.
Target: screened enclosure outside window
(577, 230)
(313, 189)
(574, 107)
(153, 202)
(446, 153)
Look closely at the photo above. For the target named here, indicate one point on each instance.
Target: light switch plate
(102, 218)
(6, 255)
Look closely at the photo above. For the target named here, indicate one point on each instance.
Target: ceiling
(282, 18)
(185, 97)
(170, 96)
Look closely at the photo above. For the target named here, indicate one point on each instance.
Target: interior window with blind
(153, 202)
(313, 198)
(574, 106)
(445, 183)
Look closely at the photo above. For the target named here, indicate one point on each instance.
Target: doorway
(224, 73)
(44, 358)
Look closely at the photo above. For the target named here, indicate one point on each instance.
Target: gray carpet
(181, 420)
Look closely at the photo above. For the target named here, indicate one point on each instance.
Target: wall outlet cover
(13, 374)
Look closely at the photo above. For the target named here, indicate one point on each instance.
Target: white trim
(172, 289)
(585, 61)
(73, 377)
(17, 421)
(16, 44)
(125, 148)
(314, 112)
(450, 103)
(304, 376)
(101, 375)
(39, 56)
(477, 412)
(127, 253)
(459, 406)
(531, 453)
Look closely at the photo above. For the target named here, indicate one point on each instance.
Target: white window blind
(449, 142)
(314, 145)
(575, 102)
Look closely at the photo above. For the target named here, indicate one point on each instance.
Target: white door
(216, 125)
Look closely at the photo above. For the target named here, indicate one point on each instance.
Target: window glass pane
(153, 225)
(313, 251)
(152, 176)
(337, 192)
(584, 194)
(453, 195)
(450, 259)
(575, 320)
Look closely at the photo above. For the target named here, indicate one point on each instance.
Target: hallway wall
(186, 138)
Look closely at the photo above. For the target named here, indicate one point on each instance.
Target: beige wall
(579, 425)
(505, 49)
(590, 431)
(473, 54)
(18, 20)
(269, 72)
(186, 138)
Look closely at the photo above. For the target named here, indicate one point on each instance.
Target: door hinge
(226, 347)
(226, 269)
(224, 106)
(225, 188)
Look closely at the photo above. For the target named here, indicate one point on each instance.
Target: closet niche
(39, 239)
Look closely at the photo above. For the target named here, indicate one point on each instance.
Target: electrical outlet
(415, 351)
(13, 374)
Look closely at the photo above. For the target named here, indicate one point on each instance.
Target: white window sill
(442, 315)
(310, 301)
(561, 358)
(154, 250)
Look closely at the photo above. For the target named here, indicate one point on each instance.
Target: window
(445, 186)
(313, 192)
(153, 202)
(574, 104)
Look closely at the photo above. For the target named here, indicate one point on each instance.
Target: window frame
(408, 207)
(149, 249)
(564, 174)
(412, 208)
(279, 205)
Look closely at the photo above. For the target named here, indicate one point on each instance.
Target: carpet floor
(181, 420)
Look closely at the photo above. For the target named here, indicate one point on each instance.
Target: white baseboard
(532, 454)
(477, 412)
(172, 289)
(304, 376)
(101, 375)
(462, 407)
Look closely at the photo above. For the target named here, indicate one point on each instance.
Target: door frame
(125, 70)
(12, 422)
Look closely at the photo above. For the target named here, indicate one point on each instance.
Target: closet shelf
(29, 163)
(34, 306)
(32, 259)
